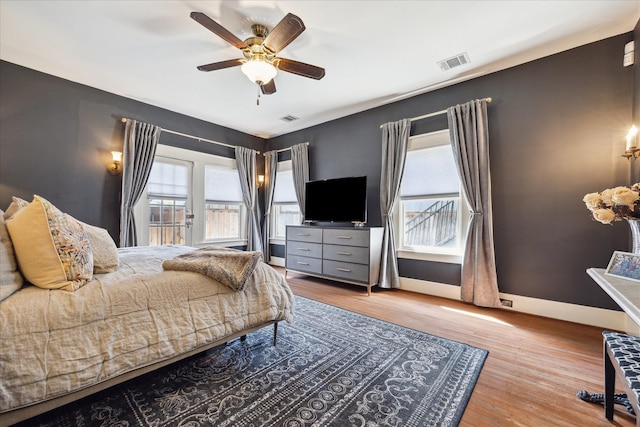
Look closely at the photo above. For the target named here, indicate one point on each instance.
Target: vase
(634, 225)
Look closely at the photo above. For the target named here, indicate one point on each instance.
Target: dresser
(345, 254)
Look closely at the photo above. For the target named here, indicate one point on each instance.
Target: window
(223, 202)
(167, 189)
(191, 199)
(285, 210)
(429, 218)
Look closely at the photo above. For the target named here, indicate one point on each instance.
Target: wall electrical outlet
(506, 302)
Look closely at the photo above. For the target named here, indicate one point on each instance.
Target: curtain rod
(436, 113)
(285, 149)
(124, 120)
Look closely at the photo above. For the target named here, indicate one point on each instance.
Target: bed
(57, 345)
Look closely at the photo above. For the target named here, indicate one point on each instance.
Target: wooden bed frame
(26, 412)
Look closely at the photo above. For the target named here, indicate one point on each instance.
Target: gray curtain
(246, 161)
(270, 168)
(300, 168)
(395, 140)
(140, 142)
(470, 142)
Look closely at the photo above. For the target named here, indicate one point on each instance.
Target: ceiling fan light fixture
(259, 71)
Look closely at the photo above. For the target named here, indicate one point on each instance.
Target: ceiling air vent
(453, 62)
(289, 118)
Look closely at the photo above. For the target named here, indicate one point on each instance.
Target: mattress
(54, 342)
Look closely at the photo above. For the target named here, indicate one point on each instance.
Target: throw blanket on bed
(231, 267)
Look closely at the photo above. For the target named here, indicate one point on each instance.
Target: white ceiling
(374, 52)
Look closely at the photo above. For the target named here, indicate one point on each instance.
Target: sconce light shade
(632, 151)
(631, 137)
(260, 180)
(115, 168)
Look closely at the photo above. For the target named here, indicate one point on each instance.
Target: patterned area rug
(331, 367)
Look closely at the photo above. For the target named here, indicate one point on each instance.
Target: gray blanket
(230, 267)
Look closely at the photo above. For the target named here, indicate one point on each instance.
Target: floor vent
(289, 118)
(455, 61)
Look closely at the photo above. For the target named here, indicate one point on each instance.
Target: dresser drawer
(313, 250)
(351, 237)
(304, 234)
(356, 254)
(301, 263)
(346, 270)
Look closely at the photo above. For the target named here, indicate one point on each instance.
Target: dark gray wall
(557, 129)
(56, 137)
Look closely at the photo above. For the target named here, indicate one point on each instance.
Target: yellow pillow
(52, 249)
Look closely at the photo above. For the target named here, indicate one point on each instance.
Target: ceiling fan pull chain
(258, 99)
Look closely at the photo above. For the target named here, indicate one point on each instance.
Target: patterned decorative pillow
(52, 249)
(104, 249)
(10, 278)
(15, 206)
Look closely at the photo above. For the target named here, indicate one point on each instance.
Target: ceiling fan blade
(218, 29)
(268, 88)
(220, 65)
(284, 33)
(299, 68)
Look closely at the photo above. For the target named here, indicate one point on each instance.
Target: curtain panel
(395, 141)
(270, 168)
(139, 150)
(246, 162)
(468, 129)
(300, 167)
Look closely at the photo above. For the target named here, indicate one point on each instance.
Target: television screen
(336, 200)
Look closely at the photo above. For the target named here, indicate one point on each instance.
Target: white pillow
(10, 278)
(105, 251)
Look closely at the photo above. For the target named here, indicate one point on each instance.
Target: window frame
(448, 255)
(197, 193)
(282, 166)
(225, 163)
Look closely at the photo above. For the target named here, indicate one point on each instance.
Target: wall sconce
(260, 180)
(632, 151)
(115, 168)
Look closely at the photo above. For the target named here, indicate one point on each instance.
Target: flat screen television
(336, 200)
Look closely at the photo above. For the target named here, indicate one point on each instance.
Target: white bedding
(54, 342)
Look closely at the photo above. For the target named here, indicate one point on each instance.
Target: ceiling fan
(260, 63)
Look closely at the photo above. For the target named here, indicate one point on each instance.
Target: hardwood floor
(535, 365)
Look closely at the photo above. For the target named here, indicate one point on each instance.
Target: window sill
(430, 256)
(277, 241)
(223, 243)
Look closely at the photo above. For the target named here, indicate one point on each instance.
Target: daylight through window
(285, 210)
(429, 208)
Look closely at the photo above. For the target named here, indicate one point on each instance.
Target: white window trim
(199, 161)
(453, 256)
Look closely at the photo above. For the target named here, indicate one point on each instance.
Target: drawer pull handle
(304, 235)
(304, 249)
(344, 253)
(346, 270)
(343, 237)
(303, 263)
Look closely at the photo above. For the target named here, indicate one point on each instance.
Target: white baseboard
(600, 317)
(277, 261)
(604, 318)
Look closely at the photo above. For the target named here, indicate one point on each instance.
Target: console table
(625, 293)
(346, 254)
